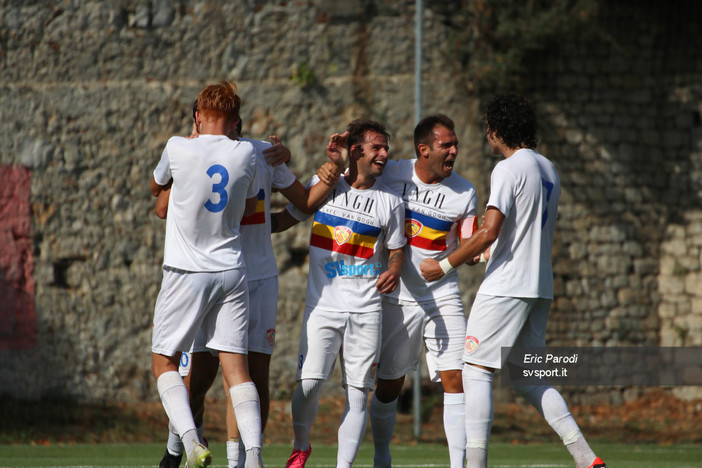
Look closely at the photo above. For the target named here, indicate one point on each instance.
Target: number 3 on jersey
(218, 188)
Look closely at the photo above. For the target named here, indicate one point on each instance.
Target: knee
(388, 390)
(452, 381)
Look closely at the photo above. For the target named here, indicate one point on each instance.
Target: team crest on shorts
(374, 370)
(342, 234)
(270, 336)
(471, 344)
(413, 227)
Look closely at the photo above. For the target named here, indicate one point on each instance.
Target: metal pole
(419, 15)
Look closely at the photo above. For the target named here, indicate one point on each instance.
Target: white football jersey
(434, 214)
(351, 233)
(525, 188)
(212, 177)
(256, 228)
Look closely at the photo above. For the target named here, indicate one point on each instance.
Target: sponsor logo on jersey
(340, 268)
(426, 232)
(412, 227)
(471, 344)
(270, 336)
(259, 217)
(344, 236)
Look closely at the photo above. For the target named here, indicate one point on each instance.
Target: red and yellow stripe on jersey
(343, 235)
(426, 232)
(259, 217)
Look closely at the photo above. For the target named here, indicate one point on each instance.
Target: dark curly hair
(514, 119)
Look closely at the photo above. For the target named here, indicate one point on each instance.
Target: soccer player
(513, 302)
(440, 211)
(262, 278)
(204, 288)
(351, 233)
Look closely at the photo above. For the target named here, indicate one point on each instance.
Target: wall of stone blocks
(91, 91)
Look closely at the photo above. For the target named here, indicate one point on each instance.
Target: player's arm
(282, 221)
(308, 199)
(157, 188)
(390, 278)
(161, 208)
(472, 247)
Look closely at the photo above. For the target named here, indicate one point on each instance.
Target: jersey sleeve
(282, 177)
(395, 233)
(502, 184)
(162, 173)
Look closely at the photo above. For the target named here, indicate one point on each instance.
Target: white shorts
(263, 309)
(355, 337)
(441, 324)
(212, 306)
(497, 322)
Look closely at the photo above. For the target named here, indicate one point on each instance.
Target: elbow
(161, 212)
(308, 210)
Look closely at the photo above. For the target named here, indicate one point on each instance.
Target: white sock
(174, 444)
(176, 402)
(233, 453)
(305, 402)
(353, 426)
(247, 410)
(550, 403)
(455, 428)
(477, 388)
(382, 417)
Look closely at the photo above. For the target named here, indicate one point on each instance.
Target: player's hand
(388, 281)
(337, 149)
(431, 271)
(329, 173)
(278, 153)
(195, 132)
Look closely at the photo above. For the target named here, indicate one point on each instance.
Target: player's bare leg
(454, 416)
(203, 372)
(246, 405)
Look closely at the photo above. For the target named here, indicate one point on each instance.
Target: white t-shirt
(525, 188)
(433, 216)
(351, 233)
(256, 228)
(212, 177)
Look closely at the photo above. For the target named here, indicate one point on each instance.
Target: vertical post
(419, 15)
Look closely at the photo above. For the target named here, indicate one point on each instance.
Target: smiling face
(436, 161)
(371, 154)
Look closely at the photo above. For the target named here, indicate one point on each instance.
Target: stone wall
(91, 91)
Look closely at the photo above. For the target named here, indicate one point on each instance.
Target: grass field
(404, 456)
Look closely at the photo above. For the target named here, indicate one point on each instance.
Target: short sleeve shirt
(433, 213)
(351, 233)
(212, 177)
(525, 188)
(256, 228)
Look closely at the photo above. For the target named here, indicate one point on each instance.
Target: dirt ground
(655, 418)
